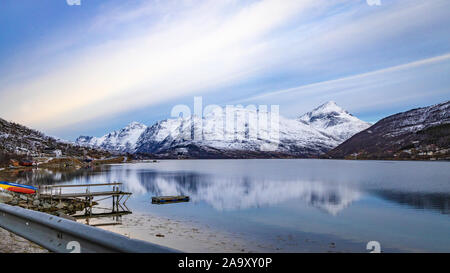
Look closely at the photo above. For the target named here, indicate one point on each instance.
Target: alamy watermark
(374, 247)
(73, 2)
(373, 2)
(231, 123)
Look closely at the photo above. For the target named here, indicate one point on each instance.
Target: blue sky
(93, 68)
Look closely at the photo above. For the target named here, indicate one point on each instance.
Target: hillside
(420, 134)
(17, 141)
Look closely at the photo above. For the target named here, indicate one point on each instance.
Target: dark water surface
(290, 204)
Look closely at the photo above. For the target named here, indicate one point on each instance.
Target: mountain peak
(329, 103)
(324, 111)
(334, 120)
(123, 140)
(328, 107)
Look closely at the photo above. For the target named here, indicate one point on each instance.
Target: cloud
(152, 52)
(375, 90)
(187, 55)
(326, 86)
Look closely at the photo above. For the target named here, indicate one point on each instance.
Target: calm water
(286, 203)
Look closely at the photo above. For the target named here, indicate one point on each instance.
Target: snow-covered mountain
(335, 121)
(123, 140)
(249, 134)
(176, 137)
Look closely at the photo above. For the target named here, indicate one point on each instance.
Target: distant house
(14, 163)
(48, 151)
(58, 153)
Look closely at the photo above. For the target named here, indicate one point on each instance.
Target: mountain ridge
(18, 141)
(420, 133)
(122, 141)
(297, 137)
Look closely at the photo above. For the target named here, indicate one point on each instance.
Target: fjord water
(300, 205)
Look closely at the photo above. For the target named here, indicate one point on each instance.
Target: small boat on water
(19, 188)
(169, 199)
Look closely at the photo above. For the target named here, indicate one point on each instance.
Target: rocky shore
(185, 235)
(11, 243)
(44, 204)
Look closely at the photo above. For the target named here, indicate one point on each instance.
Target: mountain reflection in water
(227, 193)
(403, 205)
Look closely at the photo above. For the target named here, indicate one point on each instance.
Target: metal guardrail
(64, 236)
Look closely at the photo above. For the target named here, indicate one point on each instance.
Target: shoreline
(187, 236)
(184, 235)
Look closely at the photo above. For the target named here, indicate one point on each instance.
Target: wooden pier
(119, 198)
(169, 199)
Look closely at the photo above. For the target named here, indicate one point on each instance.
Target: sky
(88, 69)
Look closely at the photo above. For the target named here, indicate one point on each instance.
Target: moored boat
(169, 199)
(19, 188)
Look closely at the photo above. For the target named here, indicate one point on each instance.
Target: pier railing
(65, 236)
(119, 197)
